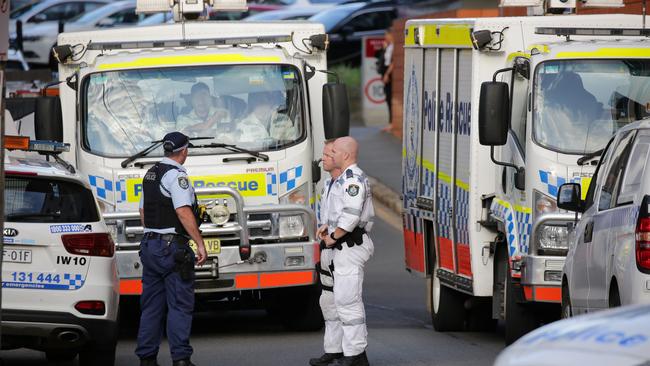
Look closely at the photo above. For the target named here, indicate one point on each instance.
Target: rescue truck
(498, 113)
(123, 89)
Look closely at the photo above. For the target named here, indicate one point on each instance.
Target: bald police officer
(169, 214)
(350, 215)
(332, 342)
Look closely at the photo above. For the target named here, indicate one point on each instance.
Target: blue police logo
(411, 118)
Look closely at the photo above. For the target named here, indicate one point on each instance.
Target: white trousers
(348, 285)
(333, 339)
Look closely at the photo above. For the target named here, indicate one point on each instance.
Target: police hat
(175, 141)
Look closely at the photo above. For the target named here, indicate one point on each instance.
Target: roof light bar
(189, 43)
(25, 144)
(605, 32)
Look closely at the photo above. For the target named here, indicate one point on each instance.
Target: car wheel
(98, 355)
(447, 306)
(567, 310)
(60, 355)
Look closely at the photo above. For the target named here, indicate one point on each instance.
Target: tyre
(567, 310)
(60, 355)
(98, 355)
(297, 307)
(447, 306)
(614, 296)
(519, 318)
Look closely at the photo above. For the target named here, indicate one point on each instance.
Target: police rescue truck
(498, 113)
(254, 98)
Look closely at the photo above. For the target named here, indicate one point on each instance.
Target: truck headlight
(553, 239)
(219, 214)
(292, 226)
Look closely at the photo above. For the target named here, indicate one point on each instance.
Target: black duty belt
(165, 237)
(354, 237)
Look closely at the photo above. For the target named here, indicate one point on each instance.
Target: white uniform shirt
(252, 129)
(324, 200)
(350, 203)
(185, 122)
(174, 184)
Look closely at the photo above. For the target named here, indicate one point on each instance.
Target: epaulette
(349, 173)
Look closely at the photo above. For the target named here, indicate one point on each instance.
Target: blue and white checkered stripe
(503, 211)
(120, 189)
(101, 185)
(271, 184)
(552, 181)
(444, 207)
(524, 228)
(462, 216)
(73, 282)
(428, 183)
(288, 178)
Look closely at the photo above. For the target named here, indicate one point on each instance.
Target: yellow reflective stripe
(607, 52)
(503, 203)
(523, 209)
(429, 165)
(312, 200)
(409, 38)
(584, 184)
(540, 47)
(513, 55)
(447, 35)
(188, 60)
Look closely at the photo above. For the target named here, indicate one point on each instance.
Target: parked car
(15, 61)
(608, 263)
(51, 11)
(59, 275)
(618, 337)
(17, 4)
(39, 39)
(348, 23)
(291, 13)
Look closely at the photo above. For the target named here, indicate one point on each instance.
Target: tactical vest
(159, 212)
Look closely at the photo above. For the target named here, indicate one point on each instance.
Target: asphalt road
(399, 328)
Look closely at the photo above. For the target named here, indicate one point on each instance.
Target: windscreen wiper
(233, 148)
(583, 160)
(154, 145)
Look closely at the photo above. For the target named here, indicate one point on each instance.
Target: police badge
(353, 190)
(183, 182)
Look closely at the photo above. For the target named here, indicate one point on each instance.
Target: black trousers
(388, 92)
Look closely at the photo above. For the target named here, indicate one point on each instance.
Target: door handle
(589, 232)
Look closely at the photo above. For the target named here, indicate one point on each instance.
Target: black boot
(325, 359)
(151, 361)
(358, 360)
(185, 362)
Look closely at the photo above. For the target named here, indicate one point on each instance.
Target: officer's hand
(201, 254)
(321, 232)
(329, 242)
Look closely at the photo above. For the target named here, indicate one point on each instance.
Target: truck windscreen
(258, 107)
(579, 104)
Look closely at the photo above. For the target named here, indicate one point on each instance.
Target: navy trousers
(164, 295)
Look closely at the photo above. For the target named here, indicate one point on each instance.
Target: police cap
(175, 141)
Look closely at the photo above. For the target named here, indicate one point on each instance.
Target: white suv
(608, 263)
(60, 291)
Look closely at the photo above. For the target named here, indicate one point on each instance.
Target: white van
(608, 263)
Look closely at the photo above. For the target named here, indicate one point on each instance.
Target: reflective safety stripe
(358, 321)
(131, 287)
(352, 211)
(607, 52)
(188, 60)
(276, 279)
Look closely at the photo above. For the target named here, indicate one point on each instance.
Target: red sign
(373, 45)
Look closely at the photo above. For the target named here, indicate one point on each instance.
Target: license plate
(212, 246)
(17, 255)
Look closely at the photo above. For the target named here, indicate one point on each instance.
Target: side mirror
(569, 197)
(494, 113)
(336, 110)
(48, 119)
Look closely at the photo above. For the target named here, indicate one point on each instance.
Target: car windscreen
(45, 200)
(258, 107)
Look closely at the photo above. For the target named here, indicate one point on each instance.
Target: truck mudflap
(272, 261)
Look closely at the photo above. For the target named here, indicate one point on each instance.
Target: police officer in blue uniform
(169, 214)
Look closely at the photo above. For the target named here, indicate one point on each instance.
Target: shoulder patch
(353, 190)
(183, 182)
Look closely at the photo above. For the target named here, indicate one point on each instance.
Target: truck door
(415, 256)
